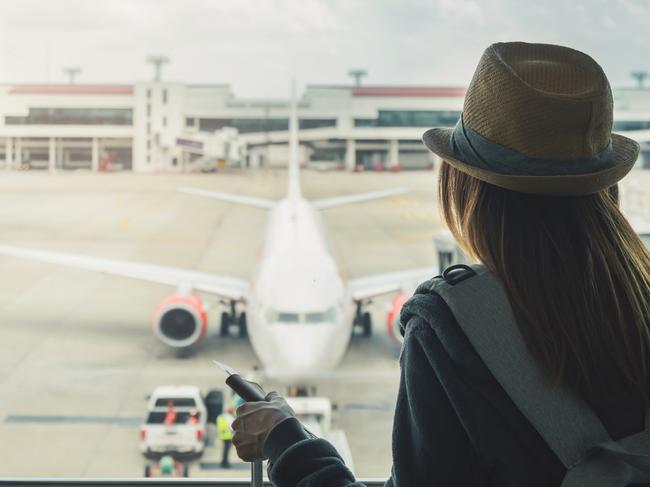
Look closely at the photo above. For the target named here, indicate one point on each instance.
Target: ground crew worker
(166, 465)
(224, 433)
(193, 417)
(170, 415)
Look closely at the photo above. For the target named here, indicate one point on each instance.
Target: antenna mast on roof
(72, 73)
(640, 77)
(157, 62)
(357, 74)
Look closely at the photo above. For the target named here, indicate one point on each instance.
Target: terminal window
(410, 118)
(270, 124)
(73, 116)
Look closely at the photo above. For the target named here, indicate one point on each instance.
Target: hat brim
(626, 151)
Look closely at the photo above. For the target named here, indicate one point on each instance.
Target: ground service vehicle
(176, 422)
(315, 413)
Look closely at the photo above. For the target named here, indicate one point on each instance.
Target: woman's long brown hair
(575, 272)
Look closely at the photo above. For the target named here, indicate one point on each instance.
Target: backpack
(566, 423)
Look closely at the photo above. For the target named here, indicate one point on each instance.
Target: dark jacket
(454, 425)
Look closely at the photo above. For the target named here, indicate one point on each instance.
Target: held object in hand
(248, 391)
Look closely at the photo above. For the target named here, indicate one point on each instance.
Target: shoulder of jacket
(427, 304)
(451, 276)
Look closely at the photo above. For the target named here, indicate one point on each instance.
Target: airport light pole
(72, 73)
(357, 74)
(157, 62)
(640, 77)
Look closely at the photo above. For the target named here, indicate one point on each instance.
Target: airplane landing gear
(233, 318)
(225, 324)
(363, 320)
(241, 321)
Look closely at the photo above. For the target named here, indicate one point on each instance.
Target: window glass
(410, 118)
(320, 317)
(284, 317)
(145, 173)
(314, 317)
(179, 402)
(73, 116)
(624, 125)
(179, 417)
(646, 240)
(255, 124)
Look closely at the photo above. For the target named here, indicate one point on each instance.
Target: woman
(528, 188)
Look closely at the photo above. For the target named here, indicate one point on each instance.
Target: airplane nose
(306, 353)
(303, 351)
(308, 350)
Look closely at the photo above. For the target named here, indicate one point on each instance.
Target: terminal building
(175, 127)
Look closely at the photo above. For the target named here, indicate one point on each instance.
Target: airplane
(298, 312)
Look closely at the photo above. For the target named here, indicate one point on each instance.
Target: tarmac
(78, 356)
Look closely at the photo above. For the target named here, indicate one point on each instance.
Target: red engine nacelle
(180, 321)
(392, 317)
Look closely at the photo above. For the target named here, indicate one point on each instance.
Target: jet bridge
(208, 151)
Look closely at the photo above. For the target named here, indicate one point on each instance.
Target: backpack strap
(482, 310)
(567, 424)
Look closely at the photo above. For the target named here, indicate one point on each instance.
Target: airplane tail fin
(294, 162)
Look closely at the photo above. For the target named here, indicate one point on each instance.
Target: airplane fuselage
(299, 313)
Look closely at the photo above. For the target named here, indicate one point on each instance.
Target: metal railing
(140, 482)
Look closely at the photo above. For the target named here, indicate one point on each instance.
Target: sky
(257, 46)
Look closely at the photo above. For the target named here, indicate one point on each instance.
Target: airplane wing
(227, 287)
(356, 198)
(390, 282)
(231, 198)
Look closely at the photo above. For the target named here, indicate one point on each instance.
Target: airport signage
(189, 143)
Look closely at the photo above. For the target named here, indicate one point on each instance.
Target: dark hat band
(472, 148)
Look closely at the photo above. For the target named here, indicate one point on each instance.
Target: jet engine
(180, 321)
(392, 317)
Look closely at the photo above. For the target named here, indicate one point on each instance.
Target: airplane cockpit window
(314, 317)
(163, 161)
(328, 316)
(310, 318)
(284, 317)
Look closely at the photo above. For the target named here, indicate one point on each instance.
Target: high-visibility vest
(224, 430)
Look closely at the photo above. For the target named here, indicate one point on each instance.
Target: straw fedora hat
(537, 119)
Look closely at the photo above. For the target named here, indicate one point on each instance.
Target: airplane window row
(327, 316)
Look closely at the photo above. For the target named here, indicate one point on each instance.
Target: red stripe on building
(423, 91)
(71, 89)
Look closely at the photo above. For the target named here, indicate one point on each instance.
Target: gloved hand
(254, 422)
